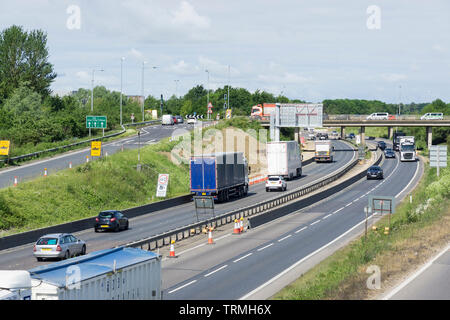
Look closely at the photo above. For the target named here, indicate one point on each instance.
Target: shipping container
(284, 159)
(220, 175)
(111, 274)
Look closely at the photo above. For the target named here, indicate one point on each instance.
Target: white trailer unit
(15, 285)
(111, 274)
(284, 159)
(324, 151)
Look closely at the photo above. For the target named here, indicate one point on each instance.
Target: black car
(374, 172)
(111, 220)
(382, 145)
(351, 136)
(389, 153)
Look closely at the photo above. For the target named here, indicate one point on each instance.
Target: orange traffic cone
(15, 181)
(242, 225)
(172, 250)
(237, 229)
(210, 239)
(45, 172)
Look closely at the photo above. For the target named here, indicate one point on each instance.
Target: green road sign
(96, 122)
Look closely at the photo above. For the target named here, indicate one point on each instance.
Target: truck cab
(407, 149)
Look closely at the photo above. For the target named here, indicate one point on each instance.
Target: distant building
(138, 99)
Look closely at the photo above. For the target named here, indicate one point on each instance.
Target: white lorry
(284, 159)
(407, 148)
(15, 285)
(111, 274)
(324, 151)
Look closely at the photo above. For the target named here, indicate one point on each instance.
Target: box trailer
(324, 151)
(112, 274)
(220, 175)
(284, 159)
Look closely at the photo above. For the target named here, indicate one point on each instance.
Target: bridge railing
(358, 117)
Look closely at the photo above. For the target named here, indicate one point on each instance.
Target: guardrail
(37, 153)
(164, 239)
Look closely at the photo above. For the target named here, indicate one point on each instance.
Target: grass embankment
(418, 230)
(72, 194)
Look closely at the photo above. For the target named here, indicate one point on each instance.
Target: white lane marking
(183, 286)
(190, 249)
(260, 249)
(348, 204)
(284, 238)
(415, 275)
(315, 222)
(218, 269)
(338, 210)
(327, 216)
(300, 261)
(223, 237)
(301, 229)
(415, 174)
(249, 254)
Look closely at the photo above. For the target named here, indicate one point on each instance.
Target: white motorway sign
(305, 115)
(163, 182)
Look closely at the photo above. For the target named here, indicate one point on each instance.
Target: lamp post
(121, 80)
(92, 92)
(207, 104)
(142, 90)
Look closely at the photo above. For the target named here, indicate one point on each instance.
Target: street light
(92, 93)
(207, 90)
(142, 90)
(121, 79)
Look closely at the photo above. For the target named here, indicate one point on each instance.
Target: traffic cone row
(238, 226)
(210, 238)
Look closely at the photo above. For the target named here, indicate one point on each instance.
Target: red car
(174, 119)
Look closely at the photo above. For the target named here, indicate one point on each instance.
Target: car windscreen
(407, 147)
(106, 214)
(274, 179)
(47, 241)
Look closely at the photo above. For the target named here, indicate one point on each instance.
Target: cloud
(186, 15)
(136, 54)
(393, 77)
(285, 78)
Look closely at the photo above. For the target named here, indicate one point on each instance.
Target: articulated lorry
(262, 112)
(284, 159)
(396, 140)
(324, 151)
(407, 148)
(220, 175)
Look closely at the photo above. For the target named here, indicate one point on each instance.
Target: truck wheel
(245, 190)
(267, 189)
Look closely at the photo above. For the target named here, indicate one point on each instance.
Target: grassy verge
(109, 183)
(418, 230)
(31, 148)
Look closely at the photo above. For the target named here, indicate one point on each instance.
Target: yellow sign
(4, 147)
(96, 148)
(228, 114)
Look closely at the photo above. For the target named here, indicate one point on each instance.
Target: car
(374, 172)
(322, 136)
(432, 116)
(389, 153)
(351, 136)
(381, 145)
(191, 121)
(378, 116)
(175, 120)
(179, 119)
(167, 119)
(311, 136)
(276, 182)
(111, 220)
(58, 246)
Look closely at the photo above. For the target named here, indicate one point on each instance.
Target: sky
(389, 50)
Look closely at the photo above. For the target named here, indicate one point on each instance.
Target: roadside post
(367, 211)
(380, 205)
(163, 182)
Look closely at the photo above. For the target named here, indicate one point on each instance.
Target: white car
(191, 121)
(276, 182)
(432, 116)
(378, 116)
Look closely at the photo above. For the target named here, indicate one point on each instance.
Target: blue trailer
(220, 175)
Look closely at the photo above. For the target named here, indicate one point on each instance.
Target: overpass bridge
(346, 120)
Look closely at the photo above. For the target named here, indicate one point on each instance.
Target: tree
(24, 58)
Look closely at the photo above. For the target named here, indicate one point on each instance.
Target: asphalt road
(23, 172)
(243, 266)
(431, 282)
(164, 220)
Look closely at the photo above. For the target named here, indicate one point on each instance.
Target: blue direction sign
(96, 122)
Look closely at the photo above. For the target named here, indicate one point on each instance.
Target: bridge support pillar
(429, 136)
(297, 135)
(363, 136)
(342, 132)
(390, 132)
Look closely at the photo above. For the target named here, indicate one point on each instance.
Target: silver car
(58, 245)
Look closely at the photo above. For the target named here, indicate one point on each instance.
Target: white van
(432, 116)
(167, 119)
(378, 116)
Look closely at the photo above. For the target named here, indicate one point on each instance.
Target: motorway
(164, 220)
(149, 135)
(256, 264)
